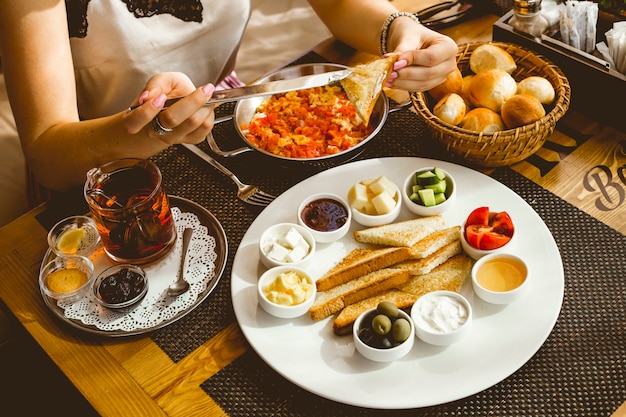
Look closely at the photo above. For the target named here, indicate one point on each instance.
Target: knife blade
(269, 88)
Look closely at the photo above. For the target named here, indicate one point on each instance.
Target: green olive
(387, 308)
(401, 330)
(381, 324)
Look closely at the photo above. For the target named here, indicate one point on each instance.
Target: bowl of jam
(327, 216)
(121, 287)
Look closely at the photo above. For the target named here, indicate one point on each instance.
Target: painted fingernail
(400, 64)
(208, 89)
(143, 97)
(159, 101)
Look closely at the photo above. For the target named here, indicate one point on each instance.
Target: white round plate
(502, 339)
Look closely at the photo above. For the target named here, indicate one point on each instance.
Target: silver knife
(269, 88)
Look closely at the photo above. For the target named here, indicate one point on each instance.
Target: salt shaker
(528, 18)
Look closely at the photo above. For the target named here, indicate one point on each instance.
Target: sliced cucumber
(426, 178)
(429, 188)
(415, 197)
(427, 196)
(439, 173)
(438, 188)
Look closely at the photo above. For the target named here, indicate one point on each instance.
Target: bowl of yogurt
(441, 317)
(286, 291)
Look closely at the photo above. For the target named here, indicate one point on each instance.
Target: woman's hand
(425, 57)
(190, 120)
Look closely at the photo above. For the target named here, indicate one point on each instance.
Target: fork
(249, 194)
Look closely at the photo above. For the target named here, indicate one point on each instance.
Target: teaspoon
(181, 285)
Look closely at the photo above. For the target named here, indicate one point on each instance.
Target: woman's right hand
(190, 120)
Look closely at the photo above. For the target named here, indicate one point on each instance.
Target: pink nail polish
(143, 97)
(400, 64)
(159, 101)
(208, 89)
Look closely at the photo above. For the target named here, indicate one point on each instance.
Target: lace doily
(157, 307)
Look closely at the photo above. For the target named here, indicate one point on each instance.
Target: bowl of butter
(286, 291)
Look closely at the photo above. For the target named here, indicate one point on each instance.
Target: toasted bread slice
(435, 241)
(332, 301)
(425, 265)
(345, 319)
(406, 233)
(360, 262)
(365, 84)
(450, 276)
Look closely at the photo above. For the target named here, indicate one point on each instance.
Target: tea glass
(131, 210)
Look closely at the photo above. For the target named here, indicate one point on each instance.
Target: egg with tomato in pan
(486, 231)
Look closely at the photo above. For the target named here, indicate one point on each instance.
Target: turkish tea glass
(130, 207)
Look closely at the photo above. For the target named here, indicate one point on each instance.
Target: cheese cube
(296, 254)
(369, 209)
(357, 196)
(291, 238)
(381, 185)
(383, 203)
(278, 252)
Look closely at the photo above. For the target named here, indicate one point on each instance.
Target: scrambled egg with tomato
(309, 123)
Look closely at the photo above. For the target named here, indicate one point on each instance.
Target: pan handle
(393, 106)
(214, 146)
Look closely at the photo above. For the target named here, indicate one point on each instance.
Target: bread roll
(538, 87)
(467, 80)
(483, 120)
(452, 84)
(488, 56)
(521, 110)
(451, 109)
(491, 88)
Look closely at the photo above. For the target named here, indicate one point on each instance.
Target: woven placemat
(580, 370)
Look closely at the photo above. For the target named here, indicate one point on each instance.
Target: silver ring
(158, 128)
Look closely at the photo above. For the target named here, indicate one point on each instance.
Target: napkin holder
(595, 85)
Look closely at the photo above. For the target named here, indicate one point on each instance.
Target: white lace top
(118, 44)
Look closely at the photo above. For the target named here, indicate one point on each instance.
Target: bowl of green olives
(384, 333)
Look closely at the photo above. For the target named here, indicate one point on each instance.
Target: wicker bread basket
(488, 150)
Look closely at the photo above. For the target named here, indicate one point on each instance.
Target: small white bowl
(280, 310)
(476, 254)
(500, 288)
(371, 220)
(382, 354)
(421, 210)
(427, 311)
(319, 234)
(279, 246)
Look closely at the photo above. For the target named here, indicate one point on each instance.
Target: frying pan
(246, 108)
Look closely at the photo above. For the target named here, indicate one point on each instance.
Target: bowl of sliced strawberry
(486, 231)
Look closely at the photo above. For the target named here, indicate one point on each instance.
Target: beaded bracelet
(384, 31)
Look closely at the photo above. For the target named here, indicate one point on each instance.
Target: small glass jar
(527, 17)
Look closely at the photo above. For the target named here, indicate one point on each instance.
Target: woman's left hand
(425, 57)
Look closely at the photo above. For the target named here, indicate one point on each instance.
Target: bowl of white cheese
(286, 244)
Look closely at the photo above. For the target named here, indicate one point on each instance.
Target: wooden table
(133, 376)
